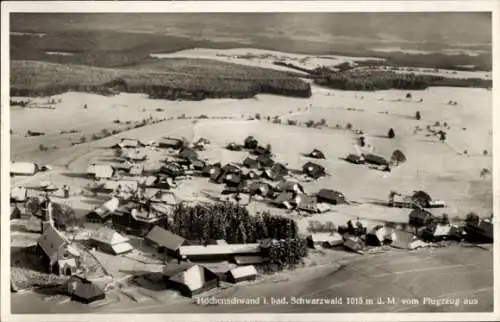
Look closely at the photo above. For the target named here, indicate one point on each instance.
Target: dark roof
(422, 195)
(251, 163)
(375, 159)
(87, 293)
(353, 158)
(260, 150)
(283, 197)
(317, 154)
(188, 153)
(231, 168)
(265, 161)
(332, 196)
(165, 238)
(398, 156)
(313, 170)
(214, 172)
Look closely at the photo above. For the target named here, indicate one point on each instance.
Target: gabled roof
(194, 277)
(51, 241)
(108, 236)
(165, 238)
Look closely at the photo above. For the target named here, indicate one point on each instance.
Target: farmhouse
(101, 171)
(331, 196)
(103, 213)
(189, 279)
(23, 168)
(128, 218)
(82, 290)
(129, 143)
(168, 142)
(313, 170)
(251, 163)
(375, 159)
(164, 240)
(110, 241)
(59, 256)
(242, 273)
(324, 239)
(276, 173)
(380, 235)
(261, 188)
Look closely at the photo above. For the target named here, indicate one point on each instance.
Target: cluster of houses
(142, 206)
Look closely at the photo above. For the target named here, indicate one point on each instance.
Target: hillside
(175, 79)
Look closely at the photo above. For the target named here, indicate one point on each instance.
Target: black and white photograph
(249, 162)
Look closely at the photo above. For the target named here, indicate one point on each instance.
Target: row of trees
(382, 79)
(230, 222)
(278, 235)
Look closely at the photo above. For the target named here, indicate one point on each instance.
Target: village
(195, 246)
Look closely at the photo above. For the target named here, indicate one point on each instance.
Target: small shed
(82, 290)
(242, 273)
(317, 154)
(164, 240)
(331, 196)
(110, 241)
